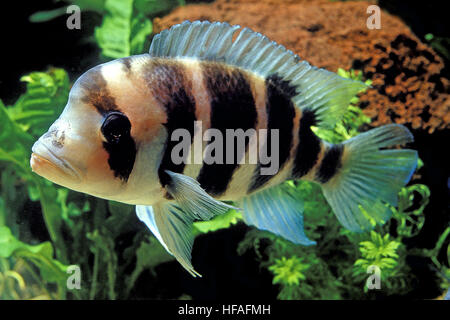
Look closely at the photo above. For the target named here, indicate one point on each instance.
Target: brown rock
(407, 85)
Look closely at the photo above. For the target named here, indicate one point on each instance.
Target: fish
(117, 136)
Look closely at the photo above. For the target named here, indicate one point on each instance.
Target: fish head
(101, 144)
(72, 152)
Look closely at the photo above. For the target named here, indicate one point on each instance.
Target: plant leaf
(41, 255)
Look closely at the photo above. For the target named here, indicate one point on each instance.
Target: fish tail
(361, 176)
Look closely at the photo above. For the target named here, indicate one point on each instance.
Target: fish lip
(55, 161)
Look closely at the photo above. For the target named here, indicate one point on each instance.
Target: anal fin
(277, 210)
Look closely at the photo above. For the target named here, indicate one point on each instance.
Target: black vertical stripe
(121, 152)
(95, 91)
(308, 148)
(167, 81)
(330, 164)
(232, 107)
(280, 115)
(126, 62)
(119, 144)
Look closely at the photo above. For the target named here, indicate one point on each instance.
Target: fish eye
(116, 126)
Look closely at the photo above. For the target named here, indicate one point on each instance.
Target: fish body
(119, 134)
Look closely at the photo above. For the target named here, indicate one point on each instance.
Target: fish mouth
(43, 158)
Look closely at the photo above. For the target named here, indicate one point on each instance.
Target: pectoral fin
(171, 222)
(193, 200)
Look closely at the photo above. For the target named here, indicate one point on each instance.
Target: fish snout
(46, 162)
(49, 154)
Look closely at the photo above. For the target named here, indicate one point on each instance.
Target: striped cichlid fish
(115, 137)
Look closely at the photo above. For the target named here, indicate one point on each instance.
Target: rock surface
(408, 86)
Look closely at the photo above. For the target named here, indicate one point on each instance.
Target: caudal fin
(370, 176)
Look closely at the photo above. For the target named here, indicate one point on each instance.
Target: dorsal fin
(325, 93)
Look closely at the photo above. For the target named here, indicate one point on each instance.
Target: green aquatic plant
(409, 218)
(84, 5)
(126, 24)
(388, 255)
(146, 7)
(378, 251)
(288, 271)
(35, 260)
(440, 44)
(442, 268)
(19, 125)
(124, 30)
(220, 222)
